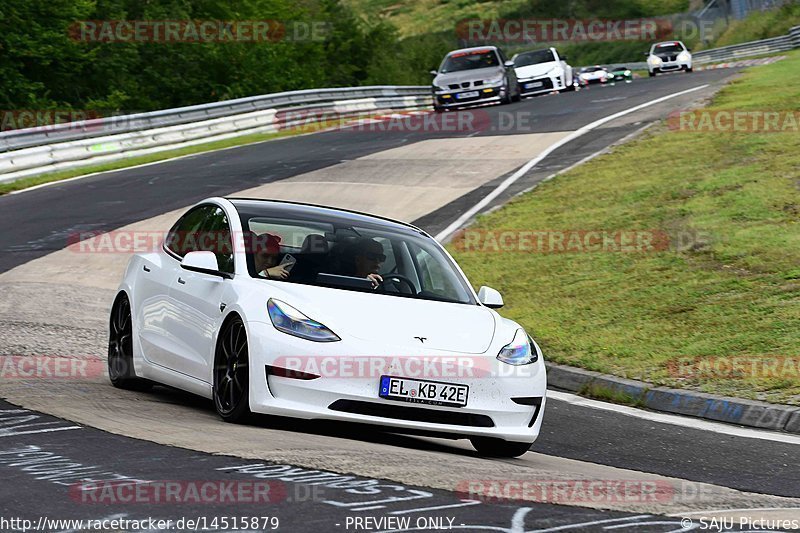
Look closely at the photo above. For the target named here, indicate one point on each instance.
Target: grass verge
(718, 312)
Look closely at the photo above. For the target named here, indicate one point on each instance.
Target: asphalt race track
(169, 436)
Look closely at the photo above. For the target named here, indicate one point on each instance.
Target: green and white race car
(619, 73)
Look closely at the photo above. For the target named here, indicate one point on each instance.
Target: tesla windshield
(353, 257)
(469, 61)
(534, 58)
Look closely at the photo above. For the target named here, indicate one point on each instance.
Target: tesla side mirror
(203, 263)
(509, 64)
(490, 297)
(433, 73)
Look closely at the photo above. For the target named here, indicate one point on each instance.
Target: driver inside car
(368, 257)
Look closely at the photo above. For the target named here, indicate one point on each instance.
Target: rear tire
(120, 348)
(232, 373)
(492, 447)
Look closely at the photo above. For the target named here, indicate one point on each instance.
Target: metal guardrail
(734, 52)
(103, 148)
(25, 138)
(753, 48)
(39, 150)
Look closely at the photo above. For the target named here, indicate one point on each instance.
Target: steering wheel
(398, 278)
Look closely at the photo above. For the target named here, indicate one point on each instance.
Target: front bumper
(620, 77)
(670, 66)
(345, 396)
(543, 84)
(464, 97)
(584, 82)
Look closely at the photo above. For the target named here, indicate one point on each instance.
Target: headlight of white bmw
(289, 320)
(684, 56)
(520, 351)
(655, 60)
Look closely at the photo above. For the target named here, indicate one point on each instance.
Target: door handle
(181, 281)
(146, 268)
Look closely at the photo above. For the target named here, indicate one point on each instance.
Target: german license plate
(423, 391)
(534, 84)
(470, 94)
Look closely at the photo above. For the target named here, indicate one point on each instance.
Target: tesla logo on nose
(421, 339)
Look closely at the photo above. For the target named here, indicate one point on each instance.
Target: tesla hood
(395, 321)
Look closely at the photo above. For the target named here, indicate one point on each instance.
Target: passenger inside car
(266, 252)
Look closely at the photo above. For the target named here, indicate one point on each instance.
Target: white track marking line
(676, 420)
(464, 218)
(464, 503)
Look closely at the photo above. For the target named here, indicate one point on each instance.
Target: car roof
(280, 208)
(461, 50)
(669, 42)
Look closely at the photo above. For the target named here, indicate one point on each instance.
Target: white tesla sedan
(318, 313)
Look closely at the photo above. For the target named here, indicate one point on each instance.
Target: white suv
(540, 71)
(668, 56)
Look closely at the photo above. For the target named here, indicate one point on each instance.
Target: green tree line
(43, 65)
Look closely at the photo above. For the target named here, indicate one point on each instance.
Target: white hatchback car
(541, 71)
(318, 313)
(668, 56)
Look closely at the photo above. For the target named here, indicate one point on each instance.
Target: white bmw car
(319, 313)
(668, 56)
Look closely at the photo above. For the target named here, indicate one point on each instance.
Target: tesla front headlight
(520, 351)
(289, 320)
(655, 60)
(684, 56)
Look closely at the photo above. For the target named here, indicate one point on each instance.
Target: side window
(204, 228)
(502, 56)
(390, 265)
(217, 238)
(181, 239)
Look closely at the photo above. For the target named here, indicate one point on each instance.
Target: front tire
(120, 348)
(518, 95)
(492, 447)
(232, 373)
